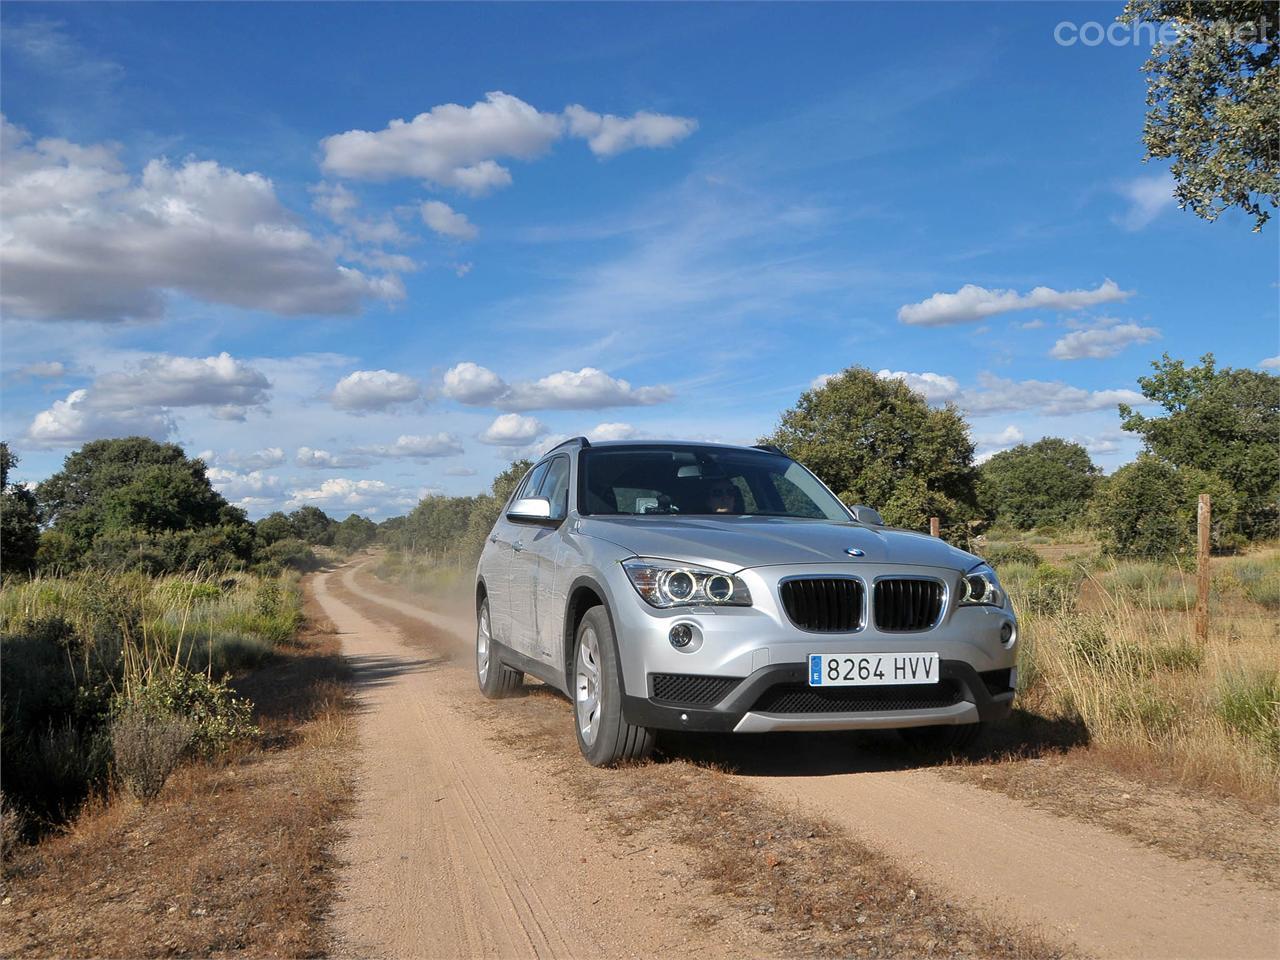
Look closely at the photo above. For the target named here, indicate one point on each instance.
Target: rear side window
(531, 483)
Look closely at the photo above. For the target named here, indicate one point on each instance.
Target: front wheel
(947, 739)
(604, 737)
(495, 678)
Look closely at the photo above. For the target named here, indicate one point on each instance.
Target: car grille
(907, 604)
(823, 604)
(690, 690)
(799, 698)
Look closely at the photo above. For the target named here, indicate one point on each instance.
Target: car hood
(734, 543)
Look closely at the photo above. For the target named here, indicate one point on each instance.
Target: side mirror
(531, 510)
(864, 514)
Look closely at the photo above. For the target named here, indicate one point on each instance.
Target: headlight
(665, 583)
(980, 588)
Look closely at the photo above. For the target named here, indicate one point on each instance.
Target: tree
(136, 501)
(487, 508)
(1213, 98)
(1148, 509)
(355, 533)
(313, 525)
(878, 442)
(1222, 421)
(19, 520)
(1047, 482)
(274, 527)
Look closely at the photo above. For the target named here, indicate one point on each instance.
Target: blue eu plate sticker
(815, 669)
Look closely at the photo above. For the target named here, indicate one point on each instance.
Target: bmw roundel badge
(855, 552)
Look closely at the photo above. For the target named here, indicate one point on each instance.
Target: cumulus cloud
(585, 389)
(513, 430)
(339, 204)
(84, 240)
(1054, 398)
(1147, 198)
(362, 496)
(971, 303)
(258, 460)
(1106, 339)
(419, 447)
(1270, 363)
(369, 390)
(935, 387)
(987, 445)
(315, 459)
(447, 222)
(140, 400)
(459, 147)
(237, 486)
(607, 135)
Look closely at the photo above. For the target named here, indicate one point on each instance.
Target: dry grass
(232, 858)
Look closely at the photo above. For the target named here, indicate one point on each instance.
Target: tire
(604, 737)
(947, 739)
(495, 678)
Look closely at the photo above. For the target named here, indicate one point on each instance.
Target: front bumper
(777, 697)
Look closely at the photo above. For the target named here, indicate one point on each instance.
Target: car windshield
(700, 481)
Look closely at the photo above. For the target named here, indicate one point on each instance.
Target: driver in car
(722, 497)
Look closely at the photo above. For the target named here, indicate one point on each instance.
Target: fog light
(680, 635)
(1006, 633)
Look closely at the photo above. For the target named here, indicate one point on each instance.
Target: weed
(1248, 702)
(146, 748)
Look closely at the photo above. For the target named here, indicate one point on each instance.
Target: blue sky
(352, 253)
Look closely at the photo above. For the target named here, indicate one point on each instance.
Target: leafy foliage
(355, 533)
(1214, 102)
(1224, 422)
(143, 504)
(217, 716)
(1148, 509)
(878, 442)
(313, 525)
(1033, 485)
(146, 750)
(19, 520)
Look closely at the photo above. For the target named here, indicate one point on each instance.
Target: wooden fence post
(1203, 515)
(935, 527)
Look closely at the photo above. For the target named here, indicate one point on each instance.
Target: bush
(1148, 509)
(291, 554)
(1249, 704)
(1003, 554)
(1051, 590)
(218, 717)
(147, 748)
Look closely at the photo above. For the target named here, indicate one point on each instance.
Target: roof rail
(769, 448)
(580, 442)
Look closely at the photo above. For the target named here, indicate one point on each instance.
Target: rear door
(546, 552)
(521, 570)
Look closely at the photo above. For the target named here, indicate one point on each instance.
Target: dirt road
(456, 852)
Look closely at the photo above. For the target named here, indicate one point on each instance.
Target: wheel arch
(584, 593)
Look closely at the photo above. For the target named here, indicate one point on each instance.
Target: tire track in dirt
(1074, 881)
(454, 850)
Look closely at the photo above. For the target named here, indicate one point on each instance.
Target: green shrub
(1248, 702)
(291, 554)
(217, 716)
(1050, 590)
(1002, 554)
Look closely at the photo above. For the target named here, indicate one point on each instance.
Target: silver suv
(693, 586)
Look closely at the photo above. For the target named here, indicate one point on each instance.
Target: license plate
(871, 669)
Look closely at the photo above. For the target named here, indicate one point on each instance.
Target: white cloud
(972, 302)
(77, 420)
(821, 380)
(139, 401)
(362, 496)
(1270, 363)
(987, 445)
(258, 460)
(585, 389)
(236, 486)
(449, 145)
(455, 146)
(513, 430)
(1106, 339)
(339, 204)
(83, 240)
(1147, 197)
(608, 135)
(1054, 398)
(935, 387)
(316, 459)
(447, 222)
(460, 472)
(223, 383)
(408, 445)
(612, 431)
(367, 390)
(1035, 324)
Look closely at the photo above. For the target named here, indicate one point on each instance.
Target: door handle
(517, 546)
(494, 538)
